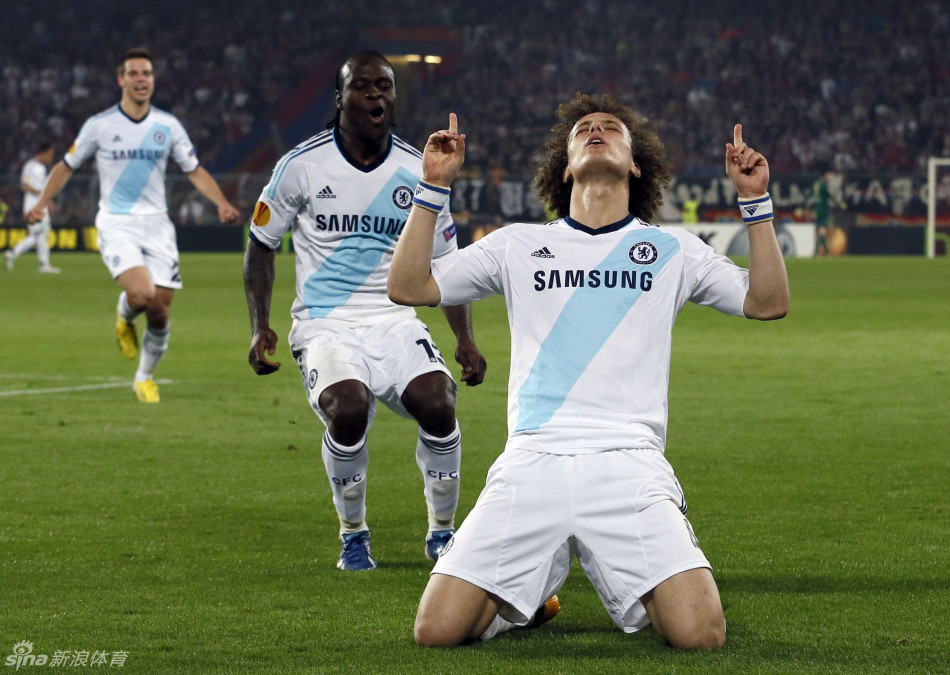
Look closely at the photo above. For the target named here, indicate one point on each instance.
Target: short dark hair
(43, 144)
(646, 192)
(134, 53)
(365, 55)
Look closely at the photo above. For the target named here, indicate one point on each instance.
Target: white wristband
(431, 197)
(756, 209)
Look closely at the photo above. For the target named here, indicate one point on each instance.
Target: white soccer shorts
(385, 356)
(45, 226)
(140, 241)
(619, 512)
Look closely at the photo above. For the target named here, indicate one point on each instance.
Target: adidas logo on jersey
(542, 253)
(117, 139)
(326, 193)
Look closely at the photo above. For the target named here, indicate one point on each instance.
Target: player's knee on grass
(706, 632)
(432, 634)
(430, 399)
(452, 612)
(687, 612)
(440, 629)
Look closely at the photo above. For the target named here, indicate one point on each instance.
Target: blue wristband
(431, 197)
(756, 209)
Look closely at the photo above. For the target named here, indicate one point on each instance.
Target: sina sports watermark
(23, 656)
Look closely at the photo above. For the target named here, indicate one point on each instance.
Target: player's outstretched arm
(208, 186)
(258, 288)
(55, 183)
(768, 297)
(410, 282)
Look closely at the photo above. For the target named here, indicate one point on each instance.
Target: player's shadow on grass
(815, 583)
(578, 639)
(423, 565)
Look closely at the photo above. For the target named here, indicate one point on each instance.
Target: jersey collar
(134, 121)
(613, 227)
(365, 168)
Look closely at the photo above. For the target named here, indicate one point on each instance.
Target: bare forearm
(208, 186)
(768, 297)
(459, 318)
(466, 352)
(410, 278)
(55, 183)
(258, 285)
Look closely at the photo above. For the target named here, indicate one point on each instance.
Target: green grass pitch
(198, 535)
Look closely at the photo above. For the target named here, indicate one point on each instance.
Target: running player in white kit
(32, 179)
(592, 298)
(345, 194)
(132, 143)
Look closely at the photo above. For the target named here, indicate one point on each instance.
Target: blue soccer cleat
(436, 541)
(355, 554)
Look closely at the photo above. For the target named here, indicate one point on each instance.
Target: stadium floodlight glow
(401, 59)
(931, 235)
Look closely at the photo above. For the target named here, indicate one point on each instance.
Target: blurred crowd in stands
(220, 67)
(862, 85)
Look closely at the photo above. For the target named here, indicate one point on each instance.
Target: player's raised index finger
(453, 123)
(737, 135)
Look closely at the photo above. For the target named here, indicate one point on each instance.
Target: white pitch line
(43, 376)
(81, 387)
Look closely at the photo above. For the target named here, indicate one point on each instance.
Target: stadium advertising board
(208, 238)
(880, 215)
(867, 199)
(796, 239)
(60, 238)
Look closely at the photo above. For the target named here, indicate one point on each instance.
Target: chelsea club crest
(402, 197)
(643, 253)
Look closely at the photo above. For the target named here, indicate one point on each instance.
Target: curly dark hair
(649, 153)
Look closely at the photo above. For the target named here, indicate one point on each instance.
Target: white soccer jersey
(132, 157)
(591, 314)
(33, 176)
(345, 219)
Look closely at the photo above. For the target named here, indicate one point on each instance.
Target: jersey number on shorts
(431, 350)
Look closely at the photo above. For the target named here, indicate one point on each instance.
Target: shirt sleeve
(446, 236)
(31, 176)
(83, 147)
(278, 205)
(182, 150)
(715, 281)
(474, 272)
